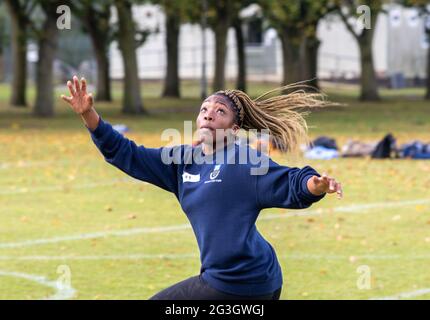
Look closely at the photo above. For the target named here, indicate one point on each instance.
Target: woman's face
(216, 119)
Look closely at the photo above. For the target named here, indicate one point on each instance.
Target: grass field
(62, 205)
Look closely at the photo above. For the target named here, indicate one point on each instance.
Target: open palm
(80, 101)
(326, 184)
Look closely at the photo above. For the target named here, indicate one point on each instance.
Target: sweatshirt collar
(220, 155)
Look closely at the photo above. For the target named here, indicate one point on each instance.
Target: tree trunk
(309, 60)
(132, 101)
(368, 80)
(291, 56)
(1, 66)
(98, 28)
(241, 59)
(19, 54)
(44, 105)
(103, 79)
(171, 81)
(428, 75)
(221, 32)
(2, 36)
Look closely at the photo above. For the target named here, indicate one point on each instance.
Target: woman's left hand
(324, 184)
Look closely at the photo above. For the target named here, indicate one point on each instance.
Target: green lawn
(55, 187)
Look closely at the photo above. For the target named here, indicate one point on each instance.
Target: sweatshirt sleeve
(137, 161)
(285, 187)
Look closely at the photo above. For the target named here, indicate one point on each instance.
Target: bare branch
(347, 24)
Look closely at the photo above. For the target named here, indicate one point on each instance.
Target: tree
(427, 96)
(47, 36)
(427, 13)
(310, 42)
(2, 42)
(174, 13)
(132, 101)
(19, 12)
(237, 23)
(424, 8)
(95, 16)
(296, 23)
(219, 18)
(347, 10)
(240, 53)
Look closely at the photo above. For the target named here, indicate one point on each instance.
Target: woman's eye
(221, 111)
(202, 109)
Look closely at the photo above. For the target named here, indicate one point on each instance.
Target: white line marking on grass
(311, 256)
(405, 295)
(69, 187)
(142, 256)
(95, 235)
(29, 164)
(61, 293)
(357, 208)
(180, 256)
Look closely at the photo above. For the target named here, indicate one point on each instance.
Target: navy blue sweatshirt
(222, 202)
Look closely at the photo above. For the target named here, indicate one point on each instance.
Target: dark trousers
(195, 288)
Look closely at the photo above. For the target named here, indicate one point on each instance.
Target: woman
(222, 201)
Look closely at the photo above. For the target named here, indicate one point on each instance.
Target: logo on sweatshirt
(188, 177)
(214, 174)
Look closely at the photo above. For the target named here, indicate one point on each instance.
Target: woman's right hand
(80, 101)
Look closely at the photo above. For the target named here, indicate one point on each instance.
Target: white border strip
(95, 235)
(357, 208)
(68, 186)
(103, 257)
(405, 295)
(30, 164)
(181, 256)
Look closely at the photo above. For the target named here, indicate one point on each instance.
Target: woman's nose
(209, 116)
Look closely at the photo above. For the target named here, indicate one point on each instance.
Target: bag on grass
(326, 142)
(386, 148)
(355, 148)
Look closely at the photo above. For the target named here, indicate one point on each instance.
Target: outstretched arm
(142, 163)
(293, 188)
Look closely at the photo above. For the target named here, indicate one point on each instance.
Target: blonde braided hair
(279, 114)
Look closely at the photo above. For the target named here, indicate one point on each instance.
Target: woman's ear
(235, 128)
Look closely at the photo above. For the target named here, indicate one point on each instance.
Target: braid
(232, 94)
(278, 113)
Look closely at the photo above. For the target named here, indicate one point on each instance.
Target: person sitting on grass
(223, 200)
